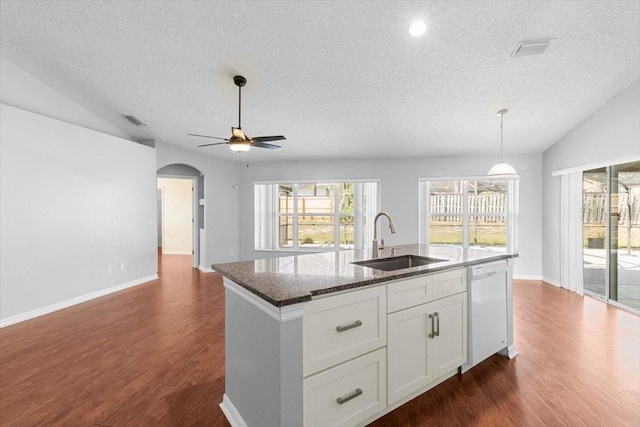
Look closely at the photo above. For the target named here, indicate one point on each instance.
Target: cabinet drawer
(342, 327)
(347, 394)
(449, 283)
(408, 293)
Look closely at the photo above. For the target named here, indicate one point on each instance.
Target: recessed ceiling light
(417, 29)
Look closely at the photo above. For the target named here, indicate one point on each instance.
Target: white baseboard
(73, 301)
(526, 277)
(232, 414)
(205, 269)
(176, 253)
(551, 281)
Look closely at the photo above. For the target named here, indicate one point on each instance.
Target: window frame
(511, 206)
(337, 214)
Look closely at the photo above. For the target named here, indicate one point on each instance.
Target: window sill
(305, 250)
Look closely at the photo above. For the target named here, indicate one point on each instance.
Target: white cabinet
(448, 348)
(341, 327)
(345, 357)
(348, 393)
(371, 347)
(425, 343)
(407, 348)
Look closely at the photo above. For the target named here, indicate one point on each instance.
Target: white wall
(72, 202)
(610, 135)
(399, 194)
(221, 220)
(177, 215)
(22, 90)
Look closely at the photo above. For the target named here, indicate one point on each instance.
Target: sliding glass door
(611, 233)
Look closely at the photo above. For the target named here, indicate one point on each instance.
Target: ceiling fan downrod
(239, 81)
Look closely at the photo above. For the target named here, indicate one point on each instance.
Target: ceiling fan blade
(213, 143)
(265, 145)
(207, 136)
(268, 138)
(237, 133)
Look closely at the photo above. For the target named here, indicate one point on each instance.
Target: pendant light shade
(502, 169)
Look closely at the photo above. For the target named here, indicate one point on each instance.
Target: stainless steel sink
(398, 263)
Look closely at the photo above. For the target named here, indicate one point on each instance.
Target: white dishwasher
(487, 311)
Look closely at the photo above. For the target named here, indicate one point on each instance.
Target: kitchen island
(318, 340)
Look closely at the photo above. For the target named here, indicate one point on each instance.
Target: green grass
(487, 235)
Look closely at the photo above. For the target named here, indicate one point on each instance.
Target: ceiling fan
(239, 141)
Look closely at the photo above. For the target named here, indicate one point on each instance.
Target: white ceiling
(339, 79)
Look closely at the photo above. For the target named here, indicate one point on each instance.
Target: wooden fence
(594, 208)
(448, 207)
(492, 207)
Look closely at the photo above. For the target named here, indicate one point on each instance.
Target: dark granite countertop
(292, 279)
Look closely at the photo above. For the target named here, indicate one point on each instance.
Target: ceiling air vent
(136, 121)
(536, 47)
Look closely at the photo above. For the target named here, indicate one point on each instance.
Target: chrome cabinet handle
(344, 399)
(433, 327)
(437, 316)
(343, 328)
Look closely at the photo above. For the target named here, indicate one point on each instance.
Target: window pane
(488, 231)
(445, 197)
(315, 199)
(346, 198)
(307, 189)
(443, 230)
(286, 231)
(487, 196)
(315, 231)
(346, 231)
(285, 198)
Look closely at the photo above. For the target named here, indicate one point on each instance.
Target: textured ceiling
(339, 79)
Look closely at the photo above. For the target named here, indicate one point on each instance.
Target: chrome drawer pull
(357, 392)
(433, 327)
(437, 316)
(343, 328)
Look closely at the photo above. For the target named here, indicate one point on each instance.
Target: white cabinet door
(448, 349)
(425, 343)
(407, 352)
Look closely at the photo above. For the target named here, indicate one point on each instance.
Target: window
(476, 213)
(314, 215)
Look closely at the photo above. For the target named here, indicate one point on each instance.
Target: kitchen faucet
(392, 228)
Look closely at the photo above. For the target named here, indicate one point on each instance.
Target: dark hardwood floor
(153, 355)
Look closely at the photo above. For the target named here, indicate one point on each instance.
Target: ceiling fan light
(502, 170)
(240, 147)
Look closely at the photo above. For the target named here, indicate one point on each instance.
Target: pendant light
(502, 169)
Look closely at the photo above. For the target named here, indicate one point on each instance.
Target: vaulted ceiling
(339, 79)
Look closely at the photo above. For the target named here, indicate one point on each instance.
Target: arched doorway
(180, 204)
